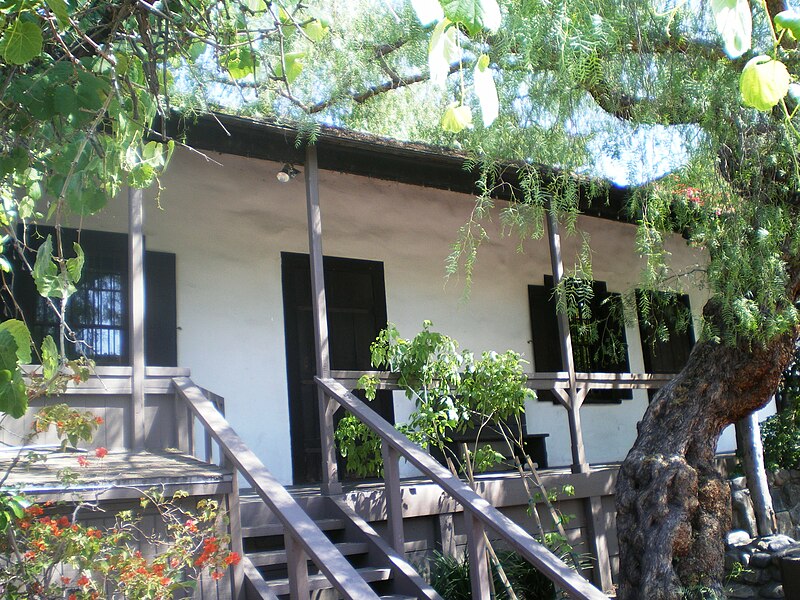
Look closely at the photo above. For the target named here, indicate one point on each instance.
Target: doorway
(356, 302)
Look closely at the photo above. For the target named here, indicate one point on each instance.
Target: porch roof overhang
(365, 155)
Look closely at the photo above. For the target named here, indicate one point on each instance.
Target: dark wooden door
(356, 299)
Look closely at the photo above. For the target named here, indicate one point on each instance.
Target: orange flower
(98, 420)
(217, 575)
(233, 558)
(83, 581)
(100, 452)
(83, 461)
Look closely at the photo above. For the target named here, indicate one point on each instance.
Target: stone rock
(792, 491)
(738, 590)
(782, 476)
(744, 517)
(737, 537)
(779, 542)
(771, 590)
(778, 503)
(756, 576)
(738, 483)
(785, 524)
(734, 557)
(760, 560)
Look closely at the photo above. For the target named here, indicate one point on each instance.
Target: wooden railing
(478, 513)
(304, 540)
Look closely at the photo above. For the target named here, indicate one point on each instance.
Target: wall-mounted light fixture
(287, 173)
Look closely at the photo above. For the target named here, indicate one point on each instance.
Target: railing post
(209, 450)
(297, 566)
(394, 502)
(182, 421)
(478, 558)
(235, 520)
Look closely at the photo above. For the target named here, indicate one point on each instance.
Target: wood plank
(117, 475)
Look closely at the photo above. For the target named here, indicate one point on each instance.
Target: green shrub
(780, 435)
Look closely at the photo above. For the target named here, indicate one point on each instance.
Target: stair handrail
(304, 537)
(477, 509)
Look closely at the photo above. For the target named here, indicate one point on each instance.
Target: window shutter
(664, 356)
(161, 319)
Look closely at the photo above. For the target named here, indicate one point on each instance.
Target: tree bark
(673, 506)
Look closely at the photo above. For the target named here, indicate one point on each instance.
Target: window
(665, 326)
(597, 328)
(98, 311)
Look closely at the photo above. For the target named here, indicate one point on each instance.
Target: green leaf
(764, 82)
(486, 91)
(456, 118)
(75, 265)
(788, 20)
(315, 30)
(45, 271)
(294, 62)
(65, 101)
(442, 51)
(59, 9)
(22, 42)
(22, 336)
(50, 357)
(13, 396)
(473, 14)
(240, 62)
(735, 25)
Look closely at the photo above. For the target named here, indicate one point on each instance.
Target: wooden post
(597, 535)
(579, 464)
(235, 520)
(330, 473)
(478, 559)
(297, 567)
(748, 440)
(394, 503)
(136, 313)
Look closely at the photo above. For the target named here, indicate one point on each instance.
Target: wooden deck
(118, 475)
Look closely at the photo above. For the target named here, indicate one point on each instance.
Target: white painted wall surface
(228, 225)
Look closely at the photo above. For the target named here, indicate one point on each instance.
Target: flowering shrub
(46, 552)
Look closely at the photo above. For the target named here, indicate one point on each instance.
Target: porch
(369, 538)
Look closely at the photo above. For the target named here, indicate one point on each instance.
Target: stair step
(271, 529)
(320, 582)
(278, 557)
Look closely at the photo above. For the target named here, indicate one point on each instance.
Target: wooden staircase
(389, 574)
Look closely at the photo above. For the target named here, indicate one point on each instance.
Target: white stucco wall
(228, 225)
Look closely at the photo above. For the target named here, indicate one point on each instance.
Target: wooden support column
(597, 536)
(136, 312)
(330, 476)
(573, 405)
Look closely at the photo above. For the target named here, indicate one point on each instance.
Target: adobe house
(263, 263)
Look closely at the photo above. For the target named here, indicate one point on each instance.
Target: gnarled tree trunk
(673, 507)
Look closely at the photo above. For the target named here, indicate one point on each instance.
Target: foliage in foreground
(450, 577)
(780, 433)
(49, 552)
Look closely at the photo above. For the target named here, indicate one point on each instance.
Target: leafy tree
(555, 85)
